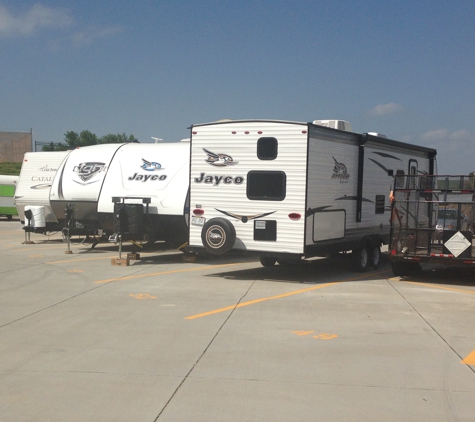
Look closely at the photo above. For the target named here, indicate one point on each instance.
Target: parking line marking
(252, 302)
(443, 288)
(39, 247)
(130, 277)
(470, 359)
(79, 260)
(263, 299)
(90, 259)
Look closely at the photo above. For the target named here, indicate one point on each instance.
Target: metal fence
(52, 145)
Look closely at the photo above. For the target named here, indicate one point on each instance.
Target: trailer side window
(399, 178)
(266, 185)
(267, 148)
(379, 204)
(413, 174)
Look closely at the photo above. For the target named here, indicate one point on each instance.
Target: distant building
(13, 146)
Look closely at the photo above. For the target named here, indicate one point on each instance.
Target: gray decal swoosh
(312, 211)
(41, 186)
(353, 198)
(383, 154)
(378, 164)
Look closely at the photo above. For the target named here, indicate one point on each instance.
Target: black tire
(9, 217)
(267, 261)
(218, 236)
(375, 256)
(361, 258)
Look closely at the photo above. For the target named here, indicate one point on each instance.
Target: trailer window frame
(266, 185)
(399, 179)
(267, 148)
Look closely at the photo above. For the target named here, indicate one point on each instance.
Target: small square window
(267, 148)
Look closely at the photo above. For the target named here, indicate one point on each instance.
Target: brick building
(13, 146)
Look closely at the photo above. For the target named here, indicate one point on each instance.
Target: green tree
(120, 138)
(74, 140)
(85, 138)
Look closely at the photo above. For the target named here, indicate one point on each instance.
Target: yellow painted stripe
(63, 261)
(96, 258)
(471, 292)
(40, 247)
(130, 277)
(252, 302)
(470, 359)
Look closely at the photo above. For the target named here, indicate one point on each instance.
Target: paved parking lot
(226, 339)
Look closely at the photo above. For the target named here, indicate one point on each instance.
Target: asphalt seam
(205, 350)
(428, 324)
(63, 301)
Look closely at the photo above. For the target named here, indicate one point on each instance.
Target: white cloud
(443, 136)
(37, 17)
(89, 35)
(461, 135)
(435, 135)
(383, 109)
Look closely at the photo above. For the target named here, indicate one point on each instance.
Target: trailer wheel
(267, 261)
(218, 236)
(375, 256)
(361, 258)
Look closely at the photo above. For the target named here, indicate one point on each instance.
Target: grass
(11, 169)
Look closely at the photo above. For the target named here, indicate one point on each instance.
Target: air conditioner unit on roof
(335, 124)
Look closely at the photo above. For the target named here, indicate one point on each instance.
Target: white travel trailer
(289, 190)
(93, 177)
(36, 177)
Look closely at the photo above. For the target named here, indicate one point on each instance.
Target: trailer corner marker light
(304, 131)
(294, 216)
(198, 211)
(234, 132)
(194, 133)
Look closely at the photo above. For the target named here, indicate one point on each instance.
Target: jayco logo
(340, 172)
(146, 177)
(151, 165)
(216, 180)
(219, 160)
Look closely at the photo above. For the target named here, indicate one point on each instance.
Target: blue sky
(153, 68)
